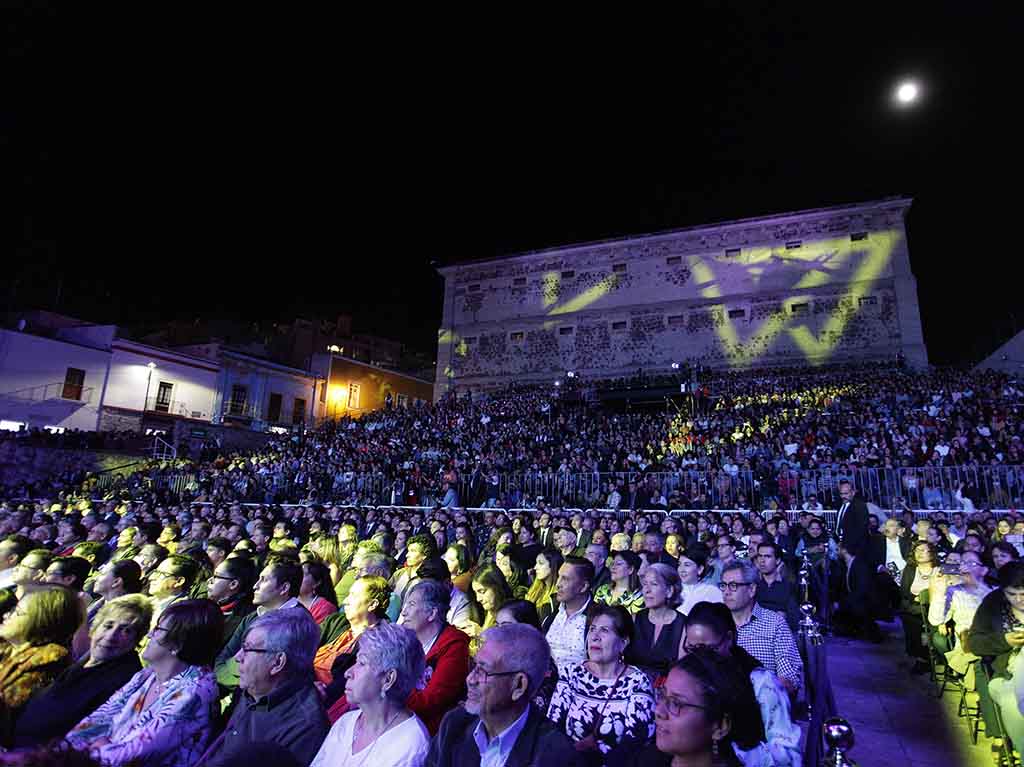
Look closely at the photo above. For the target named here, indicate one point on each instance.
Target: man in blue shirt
(499, 727)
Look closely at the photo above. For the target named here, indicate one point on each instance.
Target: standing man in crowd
(852, 522)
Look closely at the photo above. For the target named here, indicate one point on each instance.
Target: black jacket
(859, 587)
(540, 744)
(987, 636)
(76, 693)
(852, 529)
(876, 549)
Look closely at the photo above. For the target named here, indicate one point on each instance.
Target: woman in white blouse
(693, 566)
(382, 732)
(956, 598)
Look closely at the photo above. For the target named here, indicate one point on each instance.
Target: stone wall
(817, 286)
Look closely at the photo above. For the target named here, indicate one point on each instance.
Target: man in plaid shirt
(762, 633)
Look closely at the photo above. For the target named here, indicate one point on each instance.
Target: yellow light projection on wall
(874, 254)
(856, 265)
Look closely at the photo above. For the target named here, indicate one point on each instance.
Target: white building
(59, 372)
(813, 286)
(57, 380)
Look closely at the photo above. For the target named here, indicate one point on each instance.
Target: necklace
(373, 745)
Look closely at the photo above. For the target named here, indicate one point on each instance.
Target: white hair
(389, 646)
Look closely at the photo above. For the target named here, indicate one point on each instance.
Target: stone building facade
(817, 286)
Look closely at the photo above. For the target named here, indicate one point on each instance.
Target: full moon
(907, 92)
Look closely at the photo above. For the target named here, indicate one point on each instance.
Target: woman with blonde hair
(638, 543)
(112, 661)
(38, 635)
(329, 550)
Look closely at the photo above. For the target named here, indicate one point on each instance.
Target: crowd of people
(358, 594)
(763, 439)
(206, 634)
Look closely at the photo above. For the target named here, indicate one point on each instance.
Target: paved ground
(896, 717)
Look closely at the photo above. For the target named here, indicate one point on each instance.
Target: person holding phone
(998, 631)
(914, 592)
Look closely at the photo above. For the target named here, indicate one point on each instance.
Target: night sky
(267, 168)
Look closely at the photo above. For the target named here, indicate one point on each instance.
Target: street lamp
(149, 380)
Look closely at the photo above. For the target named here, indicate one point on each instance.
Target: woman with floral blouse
(604, 701)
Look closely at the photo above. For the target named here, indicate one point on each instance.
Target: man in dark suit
(545, 532)
(886, 552)
(852, 523)
(856, 614)
(499, 717)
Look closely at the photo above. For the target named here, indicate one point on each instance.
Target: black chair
(994, 721)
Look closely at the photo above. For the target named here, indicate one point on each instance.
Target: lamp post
(149, 380)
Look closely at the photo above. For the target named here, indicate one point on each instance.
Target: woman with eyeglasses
(710, 626)
(604, 700)
(164, 716)
(381, 731)
(705, 714)
(914, 590)
(956, 599)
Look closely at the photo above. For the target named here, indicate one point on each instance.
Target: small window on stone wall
(799, 309)
(793, 244)
(474, 288)
(732, 252)
(867, 301)
(676, 320)
(619, 268)
(518, 282)
(621, 325)
(516, 338)
(673, 260)
(736, 314)
(565, 331)
(568, 275)
(858, 236)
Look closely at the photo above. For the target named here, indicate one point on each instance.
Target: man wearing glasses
(762, 633)
(498, 726)
(279, 703)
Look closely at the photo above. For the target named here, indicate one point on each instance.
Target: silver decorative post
(838, 740)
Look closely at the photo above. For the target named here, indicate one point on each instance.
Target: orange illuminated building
(351, 388)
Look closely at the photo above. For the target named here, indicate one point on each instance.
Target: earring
(383, 694)
(714, 749)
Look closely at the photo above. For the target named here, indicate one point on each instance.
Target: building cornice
(757, 230)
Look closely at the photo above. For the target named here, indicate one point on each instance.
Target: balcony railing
(59, 390)
(155, 404)
(245, 410)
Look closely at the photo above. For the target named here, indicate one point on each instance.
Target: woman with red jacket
(447, 655)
